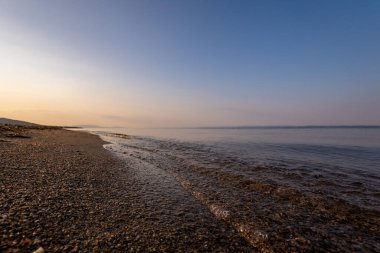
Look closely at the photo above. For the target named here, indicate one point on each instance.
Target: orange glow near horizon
(123, 64)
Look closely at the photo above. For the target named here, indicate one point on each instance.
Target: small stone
(27, 242)
(39, 250)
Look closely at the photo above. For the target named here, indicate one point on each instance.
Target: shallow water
(293, 187)
(341, 162)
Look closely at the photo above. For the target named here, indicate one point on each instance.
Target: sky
(190, 63)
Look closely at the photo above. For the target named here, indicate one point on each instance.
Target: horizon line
(240, 127)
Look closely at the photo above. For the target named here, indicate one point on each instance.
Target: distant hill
(5, 121)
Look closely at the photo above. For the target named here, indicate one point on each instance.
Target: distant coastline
(241, 127)
(286, 127)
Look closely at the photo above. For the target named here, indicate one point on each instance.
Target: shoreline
(61, 191)
(65, 190)
(271, 216)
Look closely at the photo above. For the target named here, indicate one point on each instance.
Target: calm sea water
(342, 163)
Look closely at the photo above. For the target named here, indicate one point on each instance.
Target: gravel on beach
(60, 191)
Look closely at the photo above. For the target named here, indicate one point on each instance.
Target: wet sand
(61, 191)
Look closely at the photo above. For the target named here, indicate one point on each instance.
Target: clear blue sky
(191, 63)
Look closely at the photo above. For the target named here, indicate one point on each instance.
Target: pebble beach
(61, 191)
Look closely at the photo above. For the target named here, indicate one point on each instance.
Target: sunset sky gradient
(190, 63)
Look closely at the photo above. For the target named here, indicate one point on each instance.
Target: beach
(189, 126)
(71, 191)
(62, 192)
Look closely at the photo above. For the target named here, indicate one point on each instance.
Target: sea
(338, 162)
(306, 189)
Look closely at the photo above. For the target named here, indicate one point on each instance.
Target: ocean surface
(342, 162)
(280, 188)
